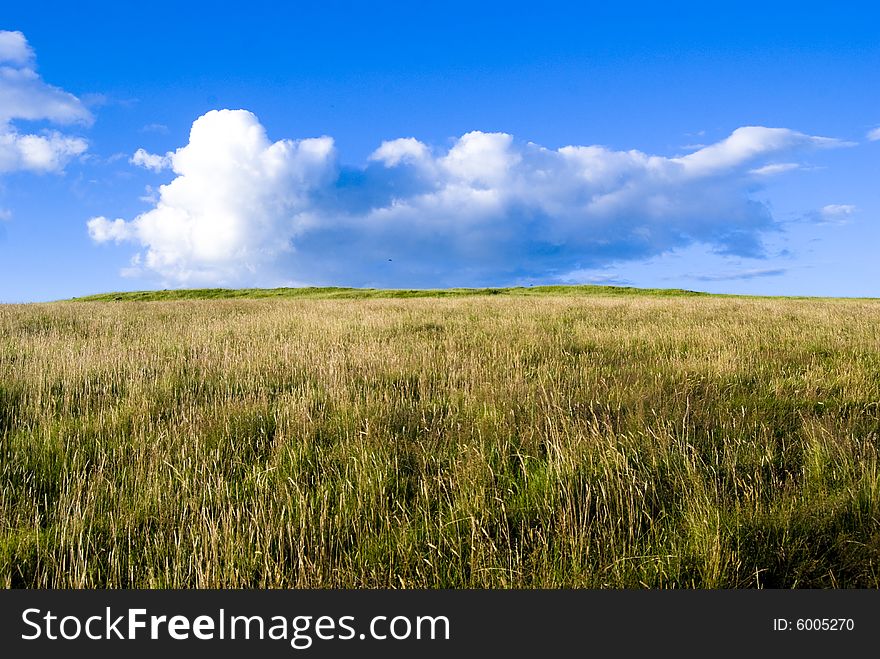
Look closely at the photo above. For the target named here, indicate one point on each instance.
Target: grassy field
(498, 438)
(376, 293)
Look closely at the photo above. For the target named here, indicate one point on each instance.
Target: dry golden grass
(481, 441)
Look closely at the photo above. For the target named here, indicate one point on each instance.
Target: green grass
(575, 437)
(331, 293)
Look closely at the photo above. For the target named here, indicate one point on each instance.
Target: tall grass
(473, 441)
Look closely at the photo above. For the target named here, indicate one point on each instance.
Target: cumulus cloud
(103, 230)
(15, 49)
(235, 203)
(874, 134)
(405, 149)
(25, 96)
(49, 152)
(489, 209)
(151, 161)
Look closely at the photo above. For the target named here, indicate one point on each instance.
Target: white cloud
(150, 195)
(242, 209)
(775, 168)
(838, 209)
(874, 134)
(481, 159)
(14, 49)
(402, 150)
(233, 205)
(747, 143)
(25, 96)
(831, 214)
(39, 153)
(836, 213)
(751, 273)
(103, 230)
(150, 161)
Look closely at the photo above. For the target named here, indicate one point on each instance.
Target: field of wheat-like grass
(467, 441)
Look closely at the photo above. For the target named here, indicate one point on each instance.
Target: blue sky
(450, 144)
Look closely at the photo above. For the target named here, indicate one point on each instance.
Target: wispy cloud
(749, 143)
(753, 273)
(833, 214)
(775, 168)
(874, 134)
(592, 277)
(161, 129)
(489, 209)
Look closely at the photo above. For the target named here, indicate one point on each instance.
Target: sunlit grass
(330, 293)
(514, 439)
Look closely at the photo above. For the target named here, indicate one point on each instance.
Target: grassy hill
(329, 293)
(540, 437)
